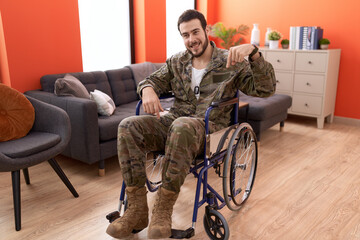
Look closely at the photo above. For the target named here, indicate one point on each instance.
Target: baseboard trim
(348, 121)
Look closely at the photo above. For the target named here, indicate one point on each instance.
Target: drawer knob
(277, 81)
(310, 62)
(307, 84)
(306, 105)
(278, 60)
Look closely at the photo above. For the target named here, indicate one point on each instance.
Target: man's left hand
(238, 53)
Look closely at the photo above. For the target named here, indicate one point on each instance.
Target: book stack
(305, 37)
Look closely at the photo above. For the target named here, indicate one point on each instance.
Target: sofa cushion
(70, 86)
(91, 80)
(108, 125)
(264, 108)
(123, 86)
(17, 114)
(142, 70)
(105, 105)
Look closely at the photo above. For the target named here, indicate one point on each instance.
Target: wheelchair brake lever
(218, 170)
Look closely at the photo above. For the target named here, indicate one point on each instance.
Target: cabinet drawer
(281, 60)
(310, 62)
(307, 104)
(284, 81)
(309, 83)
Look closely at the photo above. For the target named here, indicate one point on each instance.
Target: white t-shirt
(197, 75)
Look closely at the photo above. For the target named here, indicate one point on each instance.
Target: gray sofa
(94, 137)
(264, 113)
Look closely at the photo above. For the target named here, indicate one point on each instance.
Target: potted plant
(274, 37)
(227, 35)
(324, 43)
(285, 43)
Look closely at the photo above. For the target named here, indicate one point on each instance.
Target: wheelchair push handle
(220, 104)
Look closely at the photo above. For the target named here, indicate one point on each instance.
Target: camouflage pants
(182, 139)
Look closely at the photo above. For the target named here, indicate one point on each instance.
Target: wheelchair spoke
(154, 171)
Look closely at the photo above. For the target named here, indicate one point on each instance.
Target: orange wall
(139, 31)
(150, 30)
(42, 37)
(339, 20)
(4, 67)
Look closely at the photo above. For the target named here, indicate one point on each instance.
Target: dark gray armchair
(48, 137)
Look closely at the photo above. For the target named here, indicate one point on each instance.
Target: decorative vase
(324, 46)
(285, 46)
(255, 35)
(273, 44)
(268, 31)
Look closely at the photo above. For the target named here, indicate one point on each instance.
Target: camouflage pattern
(255, 78)
(181, 138)
(181, 132)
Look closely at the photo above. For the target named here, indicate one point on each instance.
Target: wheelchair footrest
(112, 216)
(180, 234)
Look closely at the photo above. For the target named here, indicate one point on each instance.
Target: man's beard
(205, 45)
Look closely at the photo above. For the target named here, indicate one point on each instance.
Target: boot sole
(137, 231)
(158, 234)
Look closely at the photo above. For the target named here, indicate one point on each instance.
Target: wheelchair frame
(213, 156)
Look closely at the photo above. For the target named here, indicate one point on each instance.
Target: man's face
(194, 36)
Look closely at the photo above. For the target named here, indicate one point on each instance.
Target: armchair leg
(63, 177)
(26, 175)
(15, 175)
(102, 168)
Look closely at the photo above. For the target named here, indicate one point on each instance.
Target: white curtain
(105, 34)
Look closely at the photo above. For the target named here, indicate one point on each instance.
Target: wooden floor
(307, 187)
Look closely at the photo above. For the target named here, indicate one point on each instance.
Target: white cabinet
(309, 77)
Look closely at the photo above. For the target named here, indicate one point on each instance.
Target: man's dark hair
(190, 15)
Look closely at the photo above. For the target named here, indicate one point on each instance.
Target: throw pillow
(17, 114)
(105, 105)
(70, 86)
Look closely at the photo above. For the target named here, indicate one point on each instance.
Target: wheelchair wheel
(240, 167)
(153, 172)
(215, 225)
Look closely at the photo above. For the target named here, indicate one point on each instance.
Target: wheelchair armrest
(225, 102)
(220, 104)
(167, 95)
(162, 96)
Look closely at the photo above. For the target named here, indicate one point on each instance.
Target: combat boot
(136, 216)
(160, 224)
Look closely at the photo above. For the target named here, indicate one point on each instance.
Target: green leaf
(229, 36)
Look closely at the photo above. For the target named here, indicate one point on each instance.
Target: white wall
(174, 9)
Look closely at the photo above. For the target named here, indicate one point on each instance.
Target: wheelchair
(233, 153)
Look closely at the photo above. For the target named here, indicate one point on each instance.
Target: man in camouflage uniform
(181, 131)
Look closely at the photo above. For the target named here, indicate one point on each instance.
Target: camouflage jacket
(255, 78)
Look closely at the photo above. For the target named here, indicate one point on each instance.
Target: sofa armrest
(84, 124)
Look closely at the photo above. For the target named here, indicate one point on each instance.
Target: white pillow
(105, 105)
